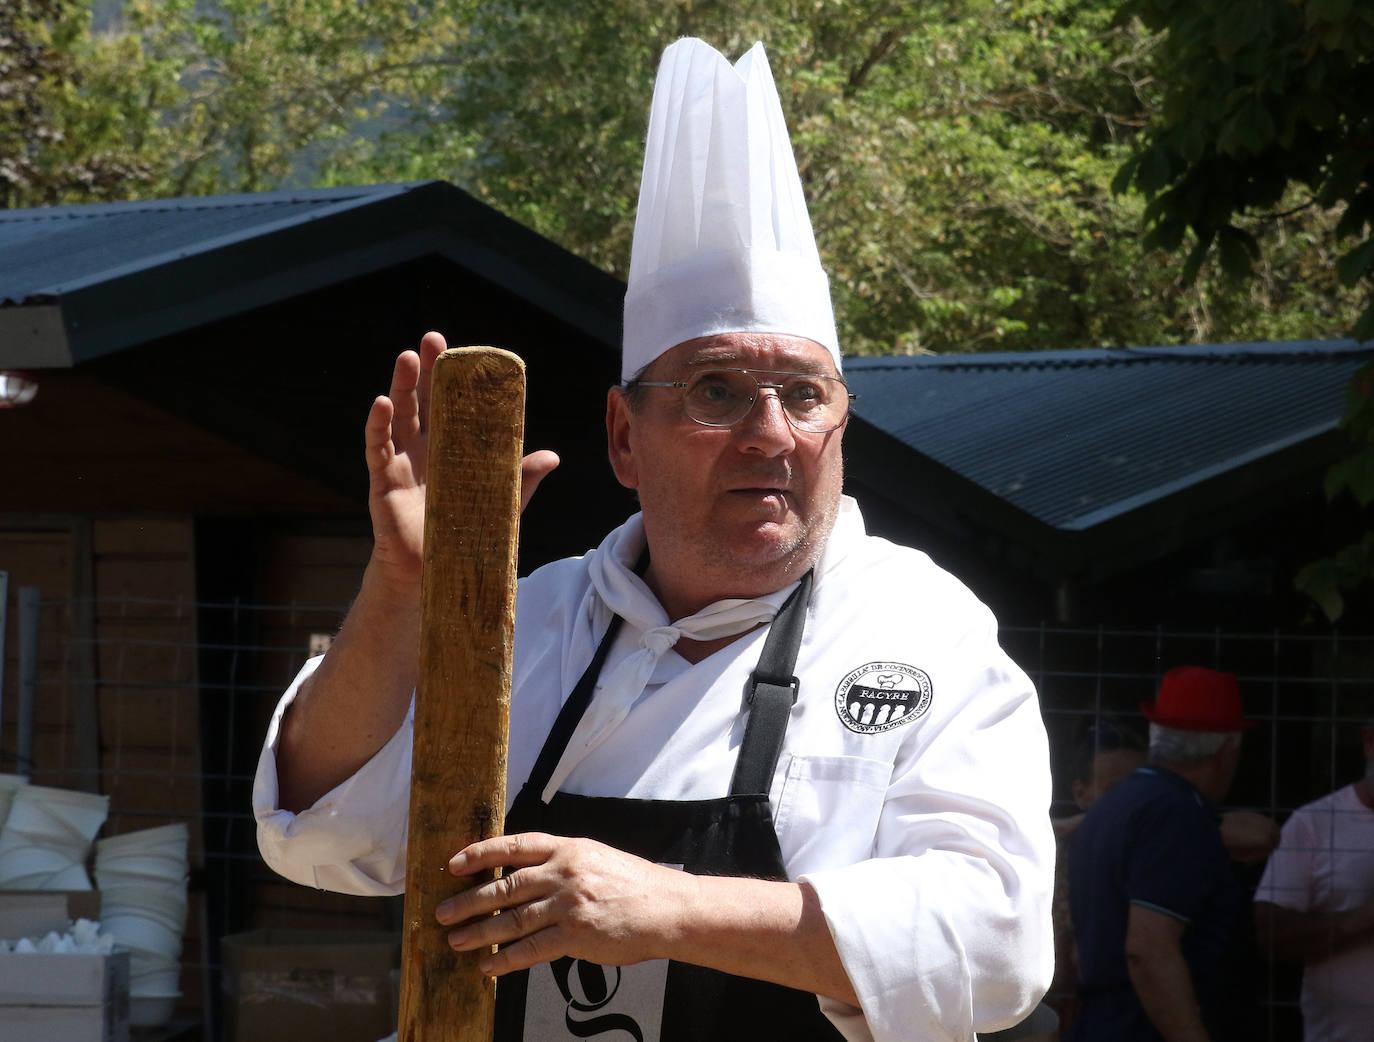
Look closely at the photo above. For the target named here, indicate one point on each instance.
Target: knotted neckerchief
(623, 593)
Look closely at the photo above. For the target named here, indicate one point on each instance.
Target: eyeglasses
(723, 397)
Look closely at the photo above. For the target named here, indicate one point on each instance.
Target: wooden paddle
(462, 698)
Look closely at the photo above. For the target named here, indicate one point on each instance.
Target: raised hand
(396, 437)
(397, 447)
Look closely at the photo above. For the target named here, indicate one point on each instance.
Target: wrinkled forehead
(770, 351)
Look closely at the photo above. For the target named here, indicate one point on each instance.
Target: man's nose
(765, 427)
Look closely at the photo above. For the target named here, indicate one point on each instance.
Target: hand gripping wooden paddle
(462, 698)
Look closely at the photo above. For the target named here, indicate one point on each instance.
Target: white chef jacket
(924, 833)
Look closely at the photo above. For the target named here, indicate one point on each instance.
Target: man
(1109, 753)
(1315, 903)
(1106, 754)
(686, 860)
(1151, 893)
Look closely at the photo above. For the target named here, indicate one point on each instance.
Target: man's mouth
(772, 498)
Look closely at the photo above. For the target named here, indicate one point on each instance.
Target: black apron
(670, 1001)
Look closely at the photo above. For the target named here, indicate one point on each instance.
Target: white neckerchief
(623, 593)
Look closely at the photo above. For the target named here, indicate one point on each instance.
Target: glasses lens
(719, 398)
(812, 403)
(723, 397)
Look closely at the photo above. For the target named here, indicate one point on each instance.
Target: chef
(773, 778)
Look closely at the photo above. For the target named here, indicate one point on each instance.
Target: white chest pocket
(828, 810)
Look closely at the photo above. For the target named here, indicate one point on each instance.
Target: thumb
(534, 468)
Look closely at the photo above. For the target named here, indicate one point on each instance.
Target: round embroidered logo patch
(879, 696)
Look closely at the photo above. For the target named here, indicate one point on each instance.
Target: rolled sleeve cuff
(353, 839)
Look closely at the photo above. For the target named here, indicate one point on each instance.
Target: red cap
(1194, 698)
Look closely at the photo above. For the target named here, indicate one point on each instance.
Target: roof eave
(178, 293)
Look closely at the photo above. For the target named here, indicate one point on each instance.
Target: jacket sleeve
(1290, 872)
(946, 929)
(353, 840)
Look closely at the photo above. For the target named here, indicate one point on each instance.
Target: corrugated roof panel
(1074, 438)
(81, 244)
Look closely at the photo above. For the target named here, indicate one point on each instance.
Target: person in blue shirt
(1152, 895)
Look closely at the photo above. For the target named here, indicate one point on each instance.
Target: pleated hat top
(722, 240)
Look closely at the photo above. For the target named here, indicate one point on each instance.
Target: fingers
(527, 934)
(498, 895)
(410, 381)
(521, 947)
(432, 345)
(405, 420)
(518, 911)
(377, 435)
(534, 468)
(544, 946)
(519, 850)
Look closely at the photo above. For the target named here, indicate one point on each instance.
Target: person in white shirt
(774, 778)
(1315, 904)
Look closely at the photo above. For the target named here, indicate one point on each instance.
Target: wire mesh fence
(1308, 693)
(162, 705)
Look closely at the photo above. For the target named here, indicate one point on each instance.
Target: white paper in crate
(84, 937)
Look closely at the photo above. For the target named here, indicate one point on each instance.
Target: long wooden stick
(462, 699)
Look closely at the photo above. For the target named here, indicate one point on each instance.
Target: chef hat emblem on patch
(879, 696)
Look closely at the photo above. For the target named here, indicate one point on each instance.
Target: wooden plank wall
(145, 628)
(142, 663)
(128, 637)
(41, 558)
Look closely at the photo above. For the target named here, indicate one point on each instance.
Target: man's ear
(619, 419)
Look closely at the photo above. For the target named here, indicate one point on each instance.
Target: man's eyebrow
(709, 359)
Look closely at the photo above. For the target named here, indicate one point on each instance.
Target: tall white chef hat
(722, 240)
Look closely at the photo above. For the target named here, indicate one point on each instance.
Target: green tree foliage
(1266, 108)
(51, 144)
(1265, 103)
(958, 156)
(1330, 581)
(179, 98)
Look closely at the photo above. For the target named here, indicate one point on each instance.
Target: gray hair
(1171, 745)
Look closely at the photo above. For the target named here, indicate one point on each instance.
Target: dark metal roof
(79, 282)
(52, 250)
(1075, 438)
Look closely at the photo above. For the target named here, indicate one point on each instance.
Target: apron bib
(663, 1000)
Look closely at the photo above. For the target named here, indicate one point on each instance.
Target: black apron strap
(581, 697)
(772, 693)
(562, 731)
